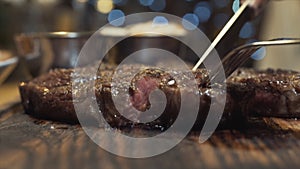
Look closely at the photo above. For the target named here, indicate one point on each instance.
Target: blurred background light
(259, 54)
(203, 11)
(204, 4)
(158, 5)
(190, 21)
(146, 2)
(116, 17)
(247, 31)
(105, 6)
(160, 20)
(235, 5)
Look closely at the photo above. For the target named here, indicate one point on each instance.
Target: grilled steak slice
(50, 96)
(266, 93)
(249, 93)
(139, 90)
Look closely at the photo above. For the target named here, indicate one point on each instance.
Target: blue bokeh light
(116, 17)
(259, 54)
(203, 13)
(160, 20)
(247, 31)
(220, 20)
(190, 21)
(235, 6)
(158, 5)
(204, 4)
(146, 2)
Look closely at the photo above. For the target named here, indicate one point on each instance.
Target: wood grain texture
(33, 144)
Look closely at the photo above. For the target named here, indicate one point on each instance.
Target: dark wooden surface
(29, 143)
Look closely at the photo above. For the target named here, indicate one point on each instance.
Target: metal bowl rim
(59, 34)
(9, 61)
(74, 35)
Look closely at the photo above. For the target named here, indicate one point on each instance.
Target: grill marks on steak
(249, 93)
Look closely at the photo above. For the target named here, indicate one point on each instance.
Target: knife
(242, 15)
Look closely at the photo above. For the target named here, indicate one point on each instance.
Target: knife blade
(222, 33)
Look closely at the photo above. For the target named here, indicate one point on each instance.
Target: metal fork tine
(242, 57)
(241, 54)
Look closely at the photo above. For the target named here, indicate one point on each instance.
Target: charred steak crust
(266, 93)
(249, 93)
(49, 96)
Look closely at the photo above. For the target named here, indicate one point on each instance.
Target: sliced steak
(249, 93)
(266, 93)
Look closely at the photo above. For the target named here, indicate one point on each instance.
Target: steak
(270, 92)
(249, 93)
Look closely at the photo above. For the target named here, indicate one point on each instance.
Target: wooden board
(29, 143)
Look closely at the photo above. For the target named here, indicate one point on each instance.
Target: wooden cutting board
(34, 144)
(29, 143)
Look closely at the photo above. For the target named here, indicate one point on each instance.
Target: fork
(236, 57)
